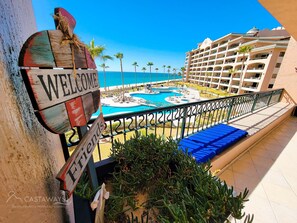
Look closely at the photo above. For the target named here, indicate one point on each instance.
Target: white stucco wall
(287, 75)
(30, 156)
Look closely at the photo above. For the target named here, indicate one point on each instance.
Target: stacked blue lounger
(204, 145)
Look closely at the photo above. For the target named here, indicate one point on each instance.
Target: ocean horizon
(113, 78)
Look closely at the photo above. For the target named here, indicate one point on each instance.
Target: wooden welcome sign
(62, 81)
(62, 95)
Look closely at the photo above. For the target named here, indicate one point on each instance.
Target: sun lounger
(204, 145)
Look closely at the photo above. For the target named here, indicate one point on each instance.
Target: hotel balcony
(230, 55)
(223, 44)
(234, 86)
(268, 169)
(233, 46)
(219, 62)
(229, 61)
(225, 77)
(250, 88)
(264, 161)
(252, 79)
(254, 69)
(237, 78)
(224, 83)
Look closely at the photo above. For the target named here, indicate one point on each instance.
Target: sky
(157, 31)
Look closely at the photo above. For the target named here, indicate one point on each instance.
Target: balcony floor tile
(268, 170)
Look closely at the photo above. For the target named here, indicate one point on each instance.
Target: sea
(113, 78)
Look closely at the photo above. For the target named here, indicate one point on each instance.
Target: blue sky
(158, 31)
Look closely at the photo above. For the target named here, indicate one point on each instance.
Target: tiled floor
(269, 171)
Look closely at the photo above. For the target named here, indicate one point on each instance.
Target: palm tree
(182, 69)
(231, 72)
(135, 66)
(168, 74)
(150, 64)
(95, 51)
(164, 66)
(104, 67)
(243, 50)
(156, 69)
(143, 69)
(105, 58)
(120, 56)
(174, 72)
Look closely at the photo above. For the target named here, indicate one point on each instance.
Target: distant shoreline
(119, 87)
(114, 79)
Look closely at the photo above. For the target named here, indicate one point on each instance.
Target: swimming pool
(110, 110)
(157, 99)
(152, 101)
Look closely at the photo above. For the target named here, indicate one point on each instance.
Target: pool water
(157, 99)
(109, 110)
(152, 101)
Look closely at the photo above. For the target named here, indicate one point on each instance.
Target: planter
(82, 211)
(153, 181)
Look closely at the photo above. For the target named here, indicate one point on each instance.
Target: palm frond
(119, 55)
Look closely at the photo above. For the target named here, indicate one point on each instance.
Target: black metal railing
(178, 121)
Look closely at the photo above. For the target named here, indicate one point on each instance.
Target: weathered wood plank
(96, 99)
(89, 59)
(80, 57)
(88, 104)
(37, 52)
(63, 54)
(56, 118)
(73, 168)
(76, 112)
(52, 87)
(68, 16)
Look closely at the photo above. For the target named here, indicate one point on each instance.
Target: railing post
(185, 113)
(272, 92)
(281, 95)
(64, 146)
(255, 102)
(230, 109)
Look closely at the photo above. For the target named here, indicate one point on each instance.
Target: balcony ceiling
(285, 12)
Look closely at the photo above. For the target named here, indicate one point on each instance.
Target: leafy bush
(84, 189)
(177, 188)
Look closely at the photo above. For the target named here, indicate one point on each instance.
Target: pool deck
(188, 95)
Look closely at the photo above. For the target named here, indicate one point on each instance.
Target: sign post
(75, 165)
(61, 78)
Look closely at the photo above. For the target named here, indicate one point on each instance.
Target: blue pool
(157, 99)
(153, 101)
(109, 110)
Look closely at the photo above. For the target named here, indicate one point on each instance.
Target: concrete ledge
(258, 124)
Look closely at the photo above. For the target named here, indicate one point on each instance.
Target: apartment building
(218, 64)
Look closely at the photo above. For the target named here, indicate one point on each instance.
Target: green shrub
(177, 187)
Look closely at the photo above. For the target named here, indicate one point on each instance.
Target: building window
(281, 54)
(270, 86)
(278, 65)
(274, 75)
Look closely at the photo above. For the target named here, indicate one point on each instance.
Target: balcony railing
(179, 121)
